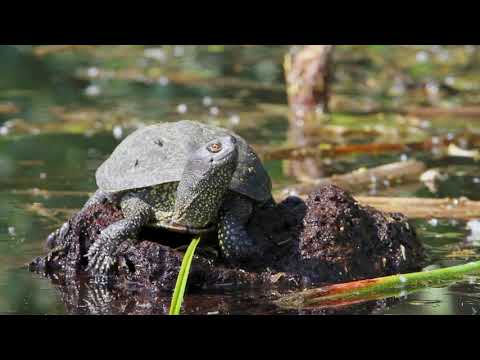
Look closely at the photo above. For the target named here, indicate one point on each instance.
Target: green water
(74, 107)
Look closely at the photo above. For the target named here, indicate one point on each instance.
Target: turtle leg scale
(235, 242)
(101, 254)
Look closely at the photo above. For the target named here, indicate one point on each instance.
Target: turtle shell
(157, 154)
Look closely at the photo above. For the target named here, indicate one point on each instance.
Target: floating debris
(462, 254)
(11, 231)
(454, 150)
(8, 108)
(431, 178)
(474, 227)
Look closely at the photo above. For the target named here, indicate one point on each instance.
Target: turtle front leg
(99, 197)
(137, 213)
(235, 242)
(57, 236)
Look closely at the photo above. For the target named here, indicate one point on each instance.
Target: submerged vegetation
(399, 129)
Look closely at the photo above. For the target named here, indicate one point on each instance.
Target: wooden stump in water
(307, 74)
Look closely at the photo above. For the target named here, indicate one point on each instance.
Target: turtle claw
(64, 229)
(100, 256)
(59, 234)
(51, 240)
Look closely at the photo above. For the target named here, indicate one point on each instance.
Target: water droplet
(207, 101)
(425, 124)
(155, 54)
(433, 222)
(117, 132)
(93, 72)
(178, 51)
(4, 130)
(450, 80)
(432, 88)
(163, 80)
(422, 56)
(403, 157)
(443, 55)
(182, 108)
(93, 90)
(474, 227)
(43, 176)
(234, 119)
(214, 111)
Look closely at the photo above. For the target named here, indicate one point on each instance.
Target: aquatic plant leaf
(182, 278)
(363, 290)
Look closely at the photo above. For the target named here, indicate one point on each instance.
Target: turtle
(183, 176)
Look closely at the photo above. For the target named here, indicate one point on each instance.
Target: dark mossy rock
(341, 239)
(329, 238)
(150, 261)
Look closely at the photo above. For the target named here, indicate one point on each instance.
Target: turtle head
(205, 181)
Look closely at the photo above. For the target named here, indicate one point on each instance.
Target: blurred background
(311, 112)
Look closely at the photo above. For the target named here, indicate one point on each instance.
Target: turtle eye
(215, 147)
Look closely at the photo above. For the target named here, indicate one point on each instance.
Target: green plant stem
(364, 290)
(182, 278)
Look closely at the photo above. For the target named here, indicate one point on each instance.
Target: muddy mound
(341, 239)
(329, 238)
